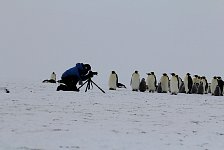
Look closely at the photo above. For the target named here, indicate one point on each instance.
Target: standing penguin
(194, 89)
(205, 84)
(195, 79)
(180, 81)
(53, 78)
(221, 84)
(142, 85)
(174, 84)
(164, 80)
(217, 91)
(182, 88)
(159, 88)
(135, 81)
(151, 82)
(209, 87)
(113, 80)
(214, 83)
(200, 88)
(188, 82)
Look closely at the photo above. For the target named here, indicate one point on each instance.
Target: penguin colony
(173, 85)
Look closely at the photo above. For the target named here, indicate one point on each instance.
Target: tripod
(90, 83)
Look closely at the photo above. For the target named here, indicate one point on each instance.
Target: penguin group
(173, 84)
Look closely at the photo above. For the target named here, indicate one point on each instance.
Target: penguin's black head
(214, 77)
(188, 74)
(173, 74)
(164, 74)
(152, 73)
(113, 72)
(219, 78)
(136, 71)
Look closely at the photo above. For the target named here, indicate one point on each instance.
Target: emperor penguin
(188, 82)
(221, 84)
(194, 89)
(205, 84)
(180, 81)
(217, 91)
(142, 85)
(182, 88)
(214, 83)
(53, 77)
(159, 88)
(200, 88)
(196, 79)
(135, 81)
(209, 87)
(174, 84)
(164, 80)
(113, 80)
(151, 82)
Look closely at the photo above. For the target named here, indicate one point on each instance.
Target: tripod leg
(88, 85)
(82, 84)
(98, 86)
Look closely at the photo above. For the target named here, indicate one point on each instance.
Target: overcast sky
(38, 37)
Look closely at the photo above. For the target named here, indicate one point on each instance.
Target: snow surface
(34, 116)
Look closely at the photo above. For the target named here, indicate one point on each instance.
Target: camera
(93, 73)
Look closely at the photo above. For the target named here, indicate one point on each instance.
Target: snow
(34, 116)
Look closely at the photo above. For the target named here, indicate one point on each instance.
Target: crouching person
(72, 76)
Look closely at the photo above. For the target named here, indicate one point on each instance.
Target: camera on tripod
(93, 73)
(90, 83)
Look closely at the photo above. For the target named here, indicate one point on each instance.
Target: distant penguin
(200, 88)
(142, 85)
(174, 84)
(209, 87)
(159, 88)
(221, 84)
(217, 91)
(113, 81)
(135, 81)
(194, 89)
(188, 82)
(151, 82)
(195, 79)
(52, 79)
(205, 84)
(214, 83)
(118, 85)
(182, 88)
(180, 81)
(164, 80)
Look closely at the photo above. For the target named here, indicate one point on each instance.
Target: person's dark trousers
(70, 82)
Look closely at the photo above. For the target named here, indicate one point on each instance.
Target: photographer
(72, 76)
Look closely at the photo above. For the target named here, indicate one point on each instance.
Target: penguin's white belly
(135, 83)
(113, 81)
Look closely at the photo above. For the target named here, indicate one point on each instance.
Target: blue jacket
(77, 71)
